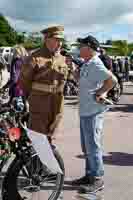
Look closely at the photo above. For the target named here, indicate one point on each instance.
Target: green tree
(130, 48)
(65, 44)
(8, 36)
(121, 47)
(33, 41)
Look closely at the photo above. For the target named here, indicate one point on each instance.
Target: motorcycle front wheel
(38, 181)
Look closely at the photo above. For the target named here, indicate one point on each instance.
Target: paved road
(118, 145)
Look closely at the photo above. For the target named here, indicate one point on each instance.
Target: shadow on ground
(115, 158)
(122, 108)
(71, 103)
(128, 94)
(70, 97)
(82, 156)
(128, 85)
(119, 159)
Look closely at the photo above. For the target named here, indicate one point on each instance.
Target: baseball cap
(90, 41)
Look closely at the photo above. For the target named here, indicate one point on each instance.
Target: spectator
(127, 69)
(120, 65)
(19, 55)
(4, 80)
(115, 65)
(105, 59)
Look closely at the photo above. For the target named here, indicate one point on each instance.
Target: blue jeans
(91, 135)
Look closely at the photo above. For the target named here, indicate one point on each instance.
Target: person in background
(19, 55)
(115, 65)
(120, 64)
(105, 59)
(127, 68)
(4, 83)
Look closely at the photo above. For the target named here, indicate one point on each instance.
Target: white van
(6, 53)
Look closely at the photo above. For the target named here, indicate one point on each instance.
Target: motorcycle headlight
(14, 134)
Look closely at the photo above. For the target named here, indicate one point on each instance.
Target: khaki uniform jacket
(42, 78)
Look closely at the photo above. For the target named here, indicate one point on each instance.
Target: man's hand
(55, 124)
(100, 98)
(107, 86)
(68, 60)
(103, 100)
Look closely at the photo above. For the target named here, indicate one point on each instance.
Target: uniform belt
(47, 88)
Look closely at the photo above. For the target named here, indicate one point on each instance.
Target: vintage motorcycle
(26, 173)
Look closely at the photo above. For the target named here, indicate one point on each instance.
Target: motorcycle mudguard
(44, 150)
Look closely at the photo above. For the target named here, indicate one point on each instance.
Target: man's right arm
(77, 62)
(76, 74)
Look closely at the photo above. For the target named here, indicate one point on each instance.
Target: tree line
(10, 37)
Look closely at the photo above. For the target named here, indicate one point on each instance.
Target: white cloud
(127, 19)
(22, 25)
(130, 36)
(78, 16)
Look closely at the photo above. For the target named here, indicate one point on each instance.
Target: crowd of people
(122, 65)
(40, 78)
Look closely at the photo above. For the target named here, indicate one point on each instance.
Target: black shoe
(81, 181)
(95, 186)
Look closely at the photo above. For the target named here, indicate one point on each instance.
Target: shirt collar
(93, 58)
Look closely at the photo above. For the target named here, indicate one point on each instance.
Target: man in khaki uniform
(42, 78)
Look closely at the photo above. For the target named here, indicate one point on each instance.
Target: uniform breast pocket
(59, 69)
(58, 76)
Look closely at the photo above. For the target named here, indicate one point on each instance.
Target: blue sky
(102, 18)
